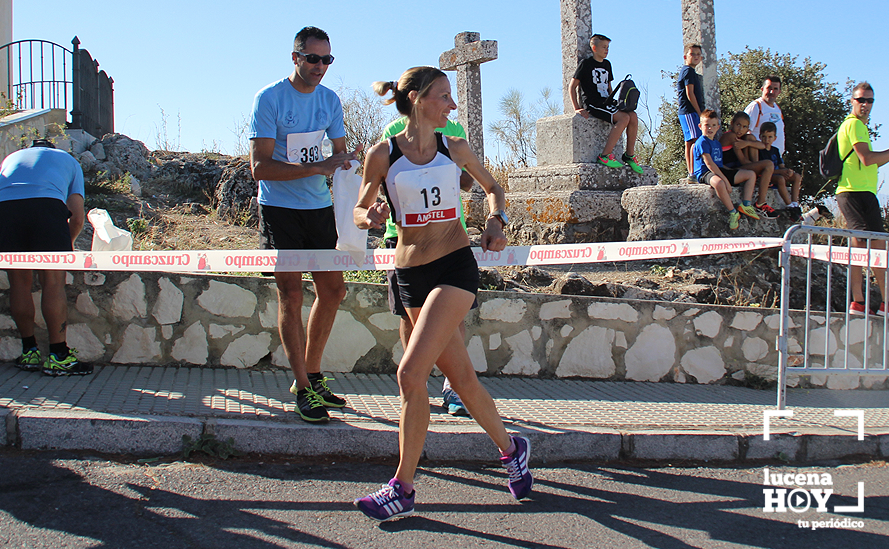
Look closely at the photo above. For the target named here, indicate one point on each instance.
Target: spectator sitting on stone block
(740, 151)
(593, 82)
(768, 133)
(710, 171)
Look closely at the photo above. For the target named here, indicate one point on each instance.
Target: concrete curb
(162, 435)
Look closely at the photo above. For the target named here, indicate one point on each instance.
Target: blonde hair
(418, 79)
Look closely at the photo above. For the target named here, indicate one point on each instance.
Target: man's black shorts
(34, 225)
(289, 229)
(861, 210)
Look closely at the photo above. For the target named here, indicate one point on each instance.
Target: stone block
(5, 432)
(55, 430)
(349, 341)
(227, 300)
(247, 350)
(85, 305)
(578, 177)
(828, 446)
(168, 307)
(661, 445)
(82, 338)
(502, 310)
(369, 441)
(663, 212)
(7, 323)
(10, 348)
(476, 350)
(706, 364)
(708, 324)
(4, 281)
(522, 361)
(129, 299)
(788, 444)
(572, 139)
(192, 346)
(653, 354)
(139, 345)
(589, 354)
(555, 309)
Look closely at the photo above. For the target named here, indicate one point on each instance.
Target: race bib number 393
(428, 195)
(305, 147)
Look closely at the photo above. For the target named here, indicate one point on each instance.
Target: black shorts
(603, 112)
(290, 229)
(34, 225)
(458, 269)
(729, 173)
(861, 210)
(395, 304)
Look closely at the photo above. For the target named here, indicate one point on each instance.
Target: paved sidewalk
(146, 410)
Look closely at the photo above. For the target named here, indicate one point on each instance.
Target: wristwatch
(501, 216)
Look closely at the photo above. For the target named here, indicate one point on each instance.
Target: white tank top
(422, 194)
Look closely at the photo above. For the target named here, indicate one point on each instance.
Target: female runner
(436, 271)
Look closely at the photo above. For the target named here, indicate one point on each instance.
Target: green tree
(517, 130)
(813, 109)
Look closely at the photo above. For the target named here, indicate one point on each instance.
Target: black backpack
(829, 162)
(626, 95)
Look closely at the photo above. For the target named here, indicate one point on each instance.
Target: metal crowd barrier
(858, 345)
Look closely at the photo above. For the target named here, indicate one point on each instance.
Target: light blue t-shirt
(40, 172)
(282, 113)
(708, 146)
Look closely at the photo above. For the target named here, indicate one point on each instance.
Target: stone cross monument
(699, 27)
(470, 52)
(577, 29)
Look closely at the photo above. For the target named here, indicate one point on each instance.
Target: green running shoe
(68, 366)
(30, 361)
(319, 385)
(631, 162)
(733, 219)
(309, 405)
(749, 211)
(609, 161)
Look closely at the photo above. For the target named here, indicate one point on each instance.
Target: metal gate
(826, 340)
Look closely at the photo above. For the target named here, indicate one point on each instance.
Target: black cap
(43, 143)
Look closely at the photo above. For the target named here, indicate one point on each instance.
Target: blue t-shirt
(687, 75)
(706, 146)
(40, 172)
(286, 115)
(772, 154)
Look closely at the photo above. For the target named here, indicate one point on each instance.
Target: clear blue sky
(205, 60)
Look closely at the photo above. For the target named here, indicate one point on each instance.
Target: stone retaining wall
(217, 320)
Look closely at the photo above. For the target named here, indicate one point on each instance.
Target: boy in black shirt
(593, 80)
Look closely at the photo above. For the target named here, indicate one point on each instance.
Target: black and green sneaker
(30, 361)
(309, 405)
(319, 385)
(68, 366)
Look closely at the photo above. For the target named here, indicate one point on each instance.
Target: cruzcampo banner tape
(860, 257)
(251, 261)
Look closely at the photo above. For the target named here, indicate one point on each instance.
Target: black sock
(315, 377)
(28, 343)
(59, 349)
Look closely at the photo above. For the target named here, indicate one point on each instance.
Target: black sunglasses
(864, 99)
(313, 58)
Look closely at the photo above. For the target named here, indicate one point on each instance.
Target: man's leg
(20, 302)
(329, 293)
(54, 304)
(290, 325)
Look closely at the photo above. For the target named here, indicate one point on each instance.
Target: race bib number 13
(428, 195)
(305, 147)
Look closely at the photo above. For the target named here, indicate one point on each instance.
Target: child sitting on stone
(593, 80)
(768, 132)
(710, 171)
(740, 151)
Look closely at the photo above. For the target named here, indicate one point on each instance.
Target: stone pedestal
(568, 198)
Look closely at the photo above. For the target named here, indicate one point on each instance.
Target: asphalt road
(67, 500)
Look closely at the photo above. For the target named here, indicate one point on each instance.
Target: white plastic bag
(346, 186)
(106, 236)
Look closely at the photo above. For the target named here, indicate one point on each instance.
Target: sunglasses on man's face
(313, 58)
(864, 99)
